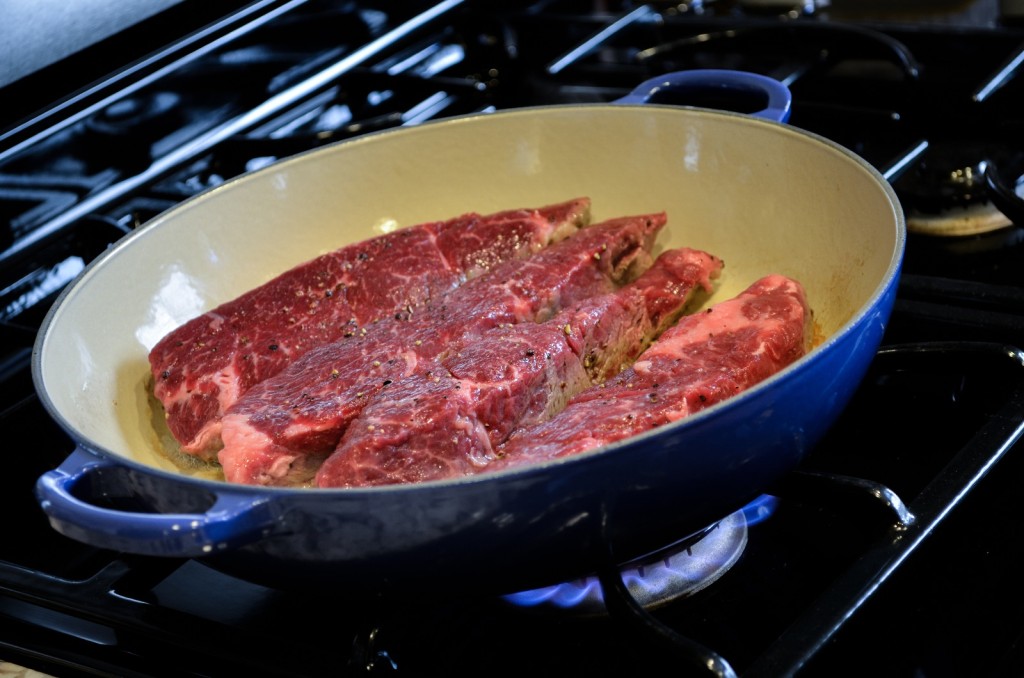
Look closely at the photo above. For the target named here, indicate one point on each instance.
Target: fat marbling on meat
(281, 430)
(448, 418)
(202, 367)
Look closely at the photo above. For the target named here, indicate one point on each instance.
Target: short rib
(447, 419)
(202, 367)
(280, 431)
(703, 360)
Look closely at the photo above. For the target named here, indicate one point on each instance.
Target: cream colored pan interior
(763, 196)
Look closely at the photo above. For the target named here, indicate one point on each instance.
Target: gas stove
(886, 552)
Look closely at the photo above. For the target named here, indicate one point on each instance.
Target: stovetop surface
(890, 544)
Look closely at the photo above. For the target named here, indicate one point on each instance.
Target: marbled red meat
(703, 360)
(282, 428)
(202, 367)
(447, 419)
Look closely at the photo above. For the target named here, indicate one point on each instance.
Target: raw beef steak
(447, 419)
(704, 359)
(202, 367)
(282, 429)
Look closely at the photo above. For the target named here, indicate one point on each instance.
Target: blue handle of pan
(752, 93)
(234, 518)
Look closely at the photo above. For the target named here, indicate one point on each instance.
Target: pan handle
(232, 520)
(742, 91)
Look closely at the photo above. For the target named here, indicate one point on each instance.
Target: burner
(970, 220)
(946, 196)
(688, 567)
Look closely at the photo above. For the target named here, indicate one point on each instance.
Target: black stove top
(889, 551)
